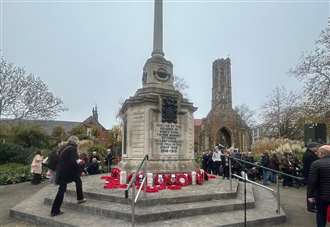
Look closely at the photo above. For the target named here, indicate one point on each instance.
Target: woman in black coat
(67, 171)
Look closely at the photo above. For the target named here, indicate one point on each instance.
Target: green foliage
(14, 173)
(198, 158)
(100, 150)
(115, 136)
(5, 131)
(30, 136)
(59, 134)
(15, 153)
(79, 131)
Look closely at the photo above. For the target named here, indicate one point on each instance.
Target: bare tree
(281, 114)
(24, 96)
(314, 70)
(246, 114)
(181, 85)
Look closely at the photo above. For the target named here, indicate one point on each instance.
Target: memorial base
(160, 166)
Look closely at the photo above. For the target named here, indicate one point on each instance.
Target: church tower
(221, 89)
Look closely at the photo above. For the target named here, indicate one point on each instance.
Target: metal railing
(245, 180)
(131, 184)
(276, 193)
(260, 166)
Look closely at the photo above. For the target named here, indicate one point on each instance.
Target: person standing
(67, 171)
(108, 160)
(210, 163)
(287, 167)
(265, 173)
(36, 168)
(205, 161)
(308, 158)
(216, 157)
(225, 163)
(318, 190)
(274, 163)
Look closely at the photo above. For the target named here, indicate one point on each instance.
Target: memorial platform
(210, 204)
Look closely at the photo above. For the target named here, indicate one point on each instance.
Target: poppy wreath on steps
(199, 177)
(174, 187)
(115, 173)
(182, 179)
(160, 180)
(152, 189)
(138, 179)
(172, 179)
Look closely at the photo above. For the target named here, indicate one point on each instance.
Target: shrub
(13, 173)
(279, 146)
(100, 150)
(15, 153)
(30, 136)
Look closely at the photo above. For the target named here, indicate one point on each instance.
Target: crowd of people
(217, 162)
(313, 170)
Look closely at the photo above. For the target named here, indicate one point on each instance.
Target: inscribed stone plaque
(168, 135)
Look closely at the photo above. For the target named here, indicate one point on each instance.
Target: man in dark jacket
(265, 173)
(67, 171)
(318, 190)
(308, 158)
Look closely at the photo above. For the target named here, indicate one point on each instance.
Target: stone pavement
(293, 202)
(10, 195)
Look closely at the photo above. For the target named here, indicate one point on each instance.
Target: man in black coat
(318, 190)
(308, 158)
(67, 171)
(108, 159)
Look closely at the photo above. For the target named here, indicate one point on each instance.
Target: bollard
(123, 177)
(193, 177)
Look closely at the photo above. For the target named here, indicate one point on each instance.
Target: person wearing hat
(308, 158)
(318, 190)
(67, 171)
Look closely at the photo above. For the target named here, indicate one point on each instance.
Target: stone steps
(100, 210)
(216, 190)
(151, 201)
(157, 212)
(262, 215)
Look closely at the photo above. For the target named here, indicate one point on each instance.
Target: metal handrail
(133, 179)
(131, 183)
(140, 188)
(253, 182)
(263, 167)
(276, 193)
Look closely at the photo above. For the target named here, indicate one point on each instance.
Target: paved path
(292, 200)
(294, 203)
(10, 195)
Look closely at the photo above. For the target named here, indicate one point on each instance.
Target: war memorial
(158, 136)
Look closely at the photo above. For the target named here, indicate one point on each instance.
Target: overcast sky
(92, 52)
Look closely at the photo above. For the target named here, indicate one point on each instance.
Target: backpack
(52, 160)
